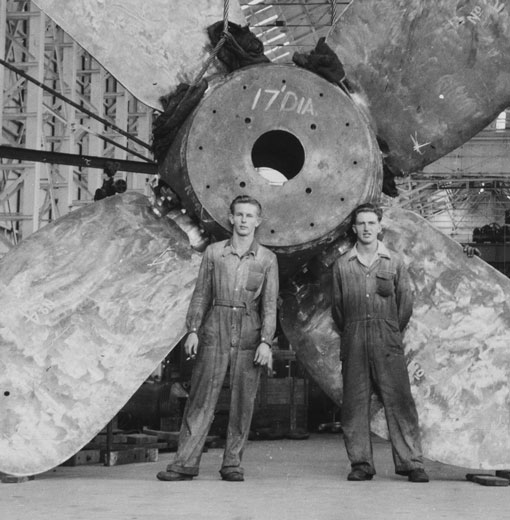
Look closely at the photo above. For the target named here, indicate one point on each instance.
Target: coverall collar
(229, 249)
(382, 250)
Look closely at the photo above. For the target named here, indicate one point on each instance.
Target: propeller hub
(287, 137)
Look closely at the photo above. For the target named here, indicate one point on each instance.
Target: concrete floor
(285, 480)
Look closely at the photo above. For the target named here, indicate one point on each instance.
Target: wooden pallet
(485, 479)
(11, 479)
(130, 455)
(129, 448)
(125, 448)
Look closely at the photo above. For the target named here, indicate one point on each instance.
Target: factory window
(502, 121)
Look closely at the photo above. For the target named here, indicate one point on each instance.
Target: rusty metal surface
(214, 159)
(456, 345)
(90, 305)
(434, 73)
(150, 47)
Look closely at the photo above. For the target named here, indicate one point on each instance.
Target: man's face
(245, 219)
(367, 227)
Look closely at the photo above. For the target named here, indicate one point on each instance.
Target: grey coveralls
(233, 308)
(371, 307)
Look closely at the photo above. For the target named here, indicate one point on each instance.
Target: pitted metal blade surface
(90, 305)
(434, 73)
(150, 47)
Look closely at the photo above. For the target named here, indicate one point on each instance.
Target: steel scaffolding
(57, 98)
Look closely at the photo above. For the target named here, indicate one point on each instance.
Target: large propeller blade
(150, 47)
(434, 73)
(90, 305)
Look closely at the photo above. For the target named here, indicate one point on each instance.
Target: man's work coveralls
(233, 308)
(371, 307)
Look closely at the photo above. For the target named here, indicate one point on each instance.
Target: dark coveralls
(371, 307)
(233, 308)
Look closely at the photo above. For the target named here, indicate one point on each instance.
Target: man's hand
(191, 345)
(263, 355)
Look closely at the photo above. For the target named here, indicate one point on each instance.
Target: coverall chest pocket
(254, 281)
(385, 283)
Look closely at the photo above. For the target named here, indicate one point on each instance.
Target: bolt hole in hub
(283, 138)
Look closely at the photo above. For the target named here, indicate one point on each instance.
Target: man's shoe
(233, 476)
(358, 475)
(417, 475)
(172, 476)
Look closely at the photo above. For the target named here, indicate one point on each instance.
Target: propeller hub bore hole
(278, 156)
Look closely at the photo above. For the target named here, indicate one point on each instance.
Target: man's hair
(245, 199)
(368, 207)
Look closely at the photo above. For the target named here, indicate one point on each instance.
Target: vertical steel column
(34, 120)
(121, 118)
(3, 36)
(96, 146)
(69, 76)
(139, 124)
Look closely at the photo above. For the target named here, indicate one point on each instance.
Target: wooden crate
(84, 457)
(282, 402)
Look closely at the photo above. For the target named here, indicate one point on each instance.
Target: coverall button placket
(237, 316)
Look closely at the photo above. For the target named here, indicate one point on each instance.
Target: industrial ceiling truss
(287, 26)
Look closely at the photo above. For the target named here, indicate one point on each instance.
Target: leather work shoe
(172, 476)
(358, 475)
(417, 475)
(232, 477)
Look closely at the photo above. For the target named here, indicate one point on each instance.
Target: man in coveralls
(231, 320)
(372, 304)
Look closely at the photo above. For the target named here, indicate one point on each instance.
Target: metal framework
(48, 68)
(468, 188)
(286, 26)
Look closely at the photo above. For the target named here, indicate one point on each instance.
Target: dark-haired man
(372, 304)
(231, 320)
